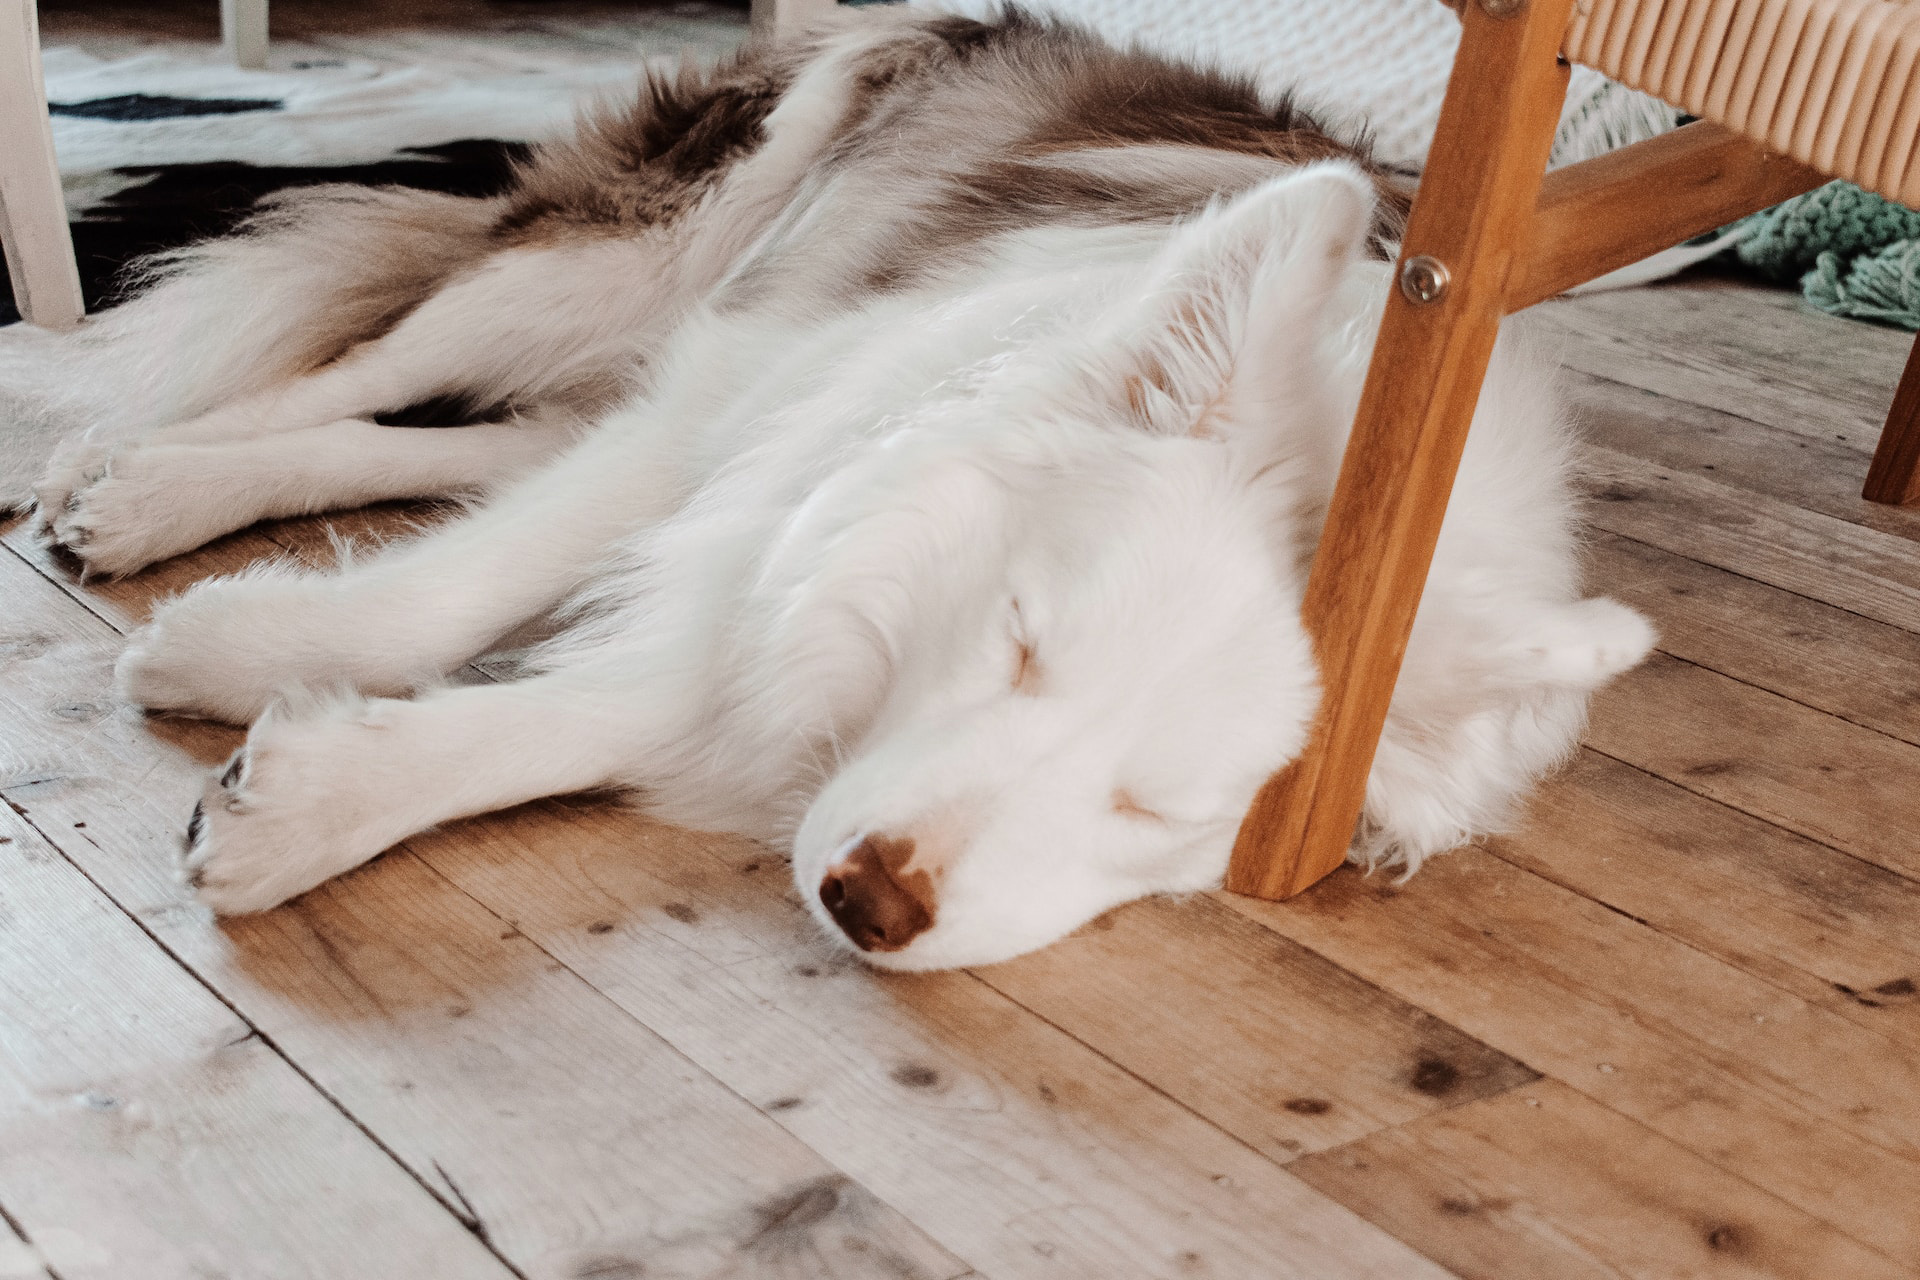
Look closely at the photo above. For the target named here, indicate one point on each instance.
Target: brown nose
(872, 896)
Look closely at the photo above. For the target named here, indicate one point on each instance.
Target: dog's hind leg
(315, 793)
(405, 617)
(152, 499)
(311, 275)
(524, 326)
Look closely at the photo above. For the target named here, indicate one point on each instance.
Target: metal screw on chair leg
(1502, 8)
(1424, 279)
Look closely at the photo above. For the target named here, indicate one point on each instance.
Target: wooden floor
(1670, 1028)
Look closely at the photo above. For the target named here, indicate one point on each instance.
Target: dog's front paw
(126, 508)
(276, 820)
(227, 864)
(214, 650)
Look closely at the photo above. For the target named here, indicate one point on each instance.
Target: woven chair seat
(1835, 84)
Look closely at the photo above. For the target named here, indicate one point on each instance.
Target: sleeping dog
(920, 433)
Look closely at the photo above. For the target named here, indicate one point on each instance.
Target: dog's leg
(152, 500)
(314, 794)
(526, 325)
(530, 322)
(312, 274)
(228, 647)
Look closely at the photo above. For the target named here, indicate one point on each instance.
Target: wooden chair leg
(1467, 240)
(243, 32)
(1894, 476)
(33, 215)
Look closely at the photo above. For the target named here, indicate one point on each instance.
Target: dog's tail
(310, 274)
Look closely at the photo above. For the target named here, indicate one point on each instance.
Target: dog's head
(1068, 631)
(1082, 726)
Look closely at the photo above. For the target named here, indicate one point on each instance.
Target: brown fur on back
(647, 163)
(917, 141)
(1092, 95)
(985, 98)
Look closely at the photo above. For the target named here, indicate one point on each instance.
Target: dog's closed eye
(1026, 661)
(1127, 805)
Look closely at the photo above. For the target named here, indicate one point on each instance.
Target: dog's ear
(1226, 337)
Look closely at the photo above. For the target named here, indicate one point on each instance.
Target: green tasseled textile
(1854, 253)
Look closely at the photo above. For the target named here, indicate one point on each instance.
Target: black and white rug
(172, 144)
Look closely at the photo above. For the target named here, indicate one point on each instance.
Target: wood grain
(1851, 667)
(1862, 570)
(1812, 472)
(1733, 1068)
(1836, 931)
(1545, 1182)
(1611, 211)
(1838, 783)
(1477, 195)
(147, 1130)
(1763, 354)
(18, 1256)
(1301, 1055)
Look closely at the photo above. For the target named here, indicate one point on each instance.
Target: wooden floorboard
(1853, 668)
(1834, 930)
(1728, 1066)
(150, 1131)
(1816, 473)
(1822, 557)
(1546, 1182)
(1021, 1148)
(1759, 354)
(1803, 770)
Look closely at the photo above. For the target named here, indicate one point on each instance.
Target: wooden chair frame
(243, 32)
(1491, 233)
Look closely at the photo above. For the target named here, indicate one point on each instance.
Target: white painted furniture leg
(243, 32)
(783, 17)
(33, 216)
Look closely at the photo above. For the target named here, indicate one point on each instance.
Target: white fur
(1008, 565)
(129, 505)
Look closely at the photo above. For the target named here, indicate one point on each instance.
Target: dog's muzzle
(879, 901)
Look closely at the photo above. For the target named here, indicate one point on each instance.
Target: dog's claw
(196, 827)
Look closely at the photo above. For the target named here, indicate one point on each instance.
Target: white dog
(963, 402)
